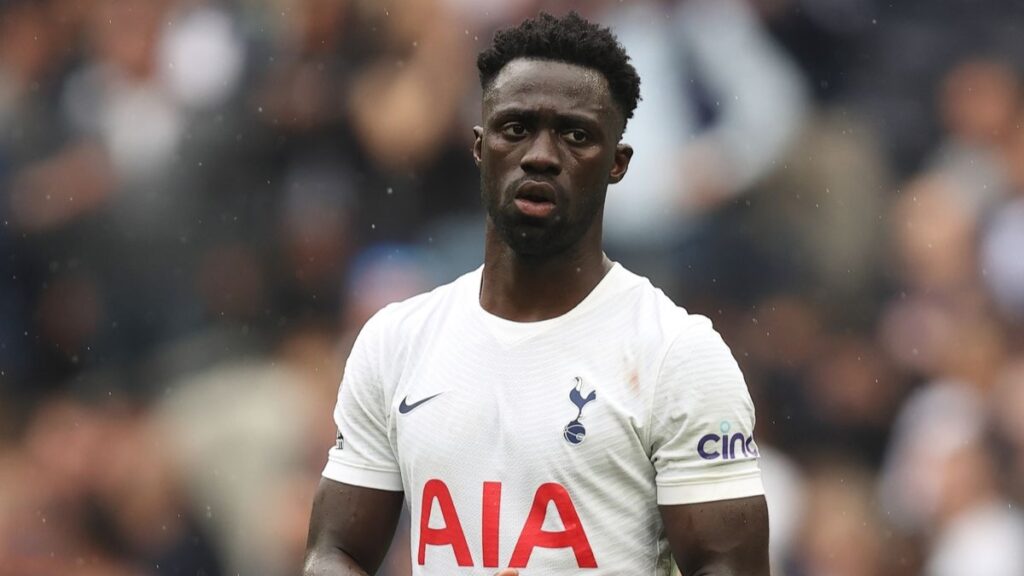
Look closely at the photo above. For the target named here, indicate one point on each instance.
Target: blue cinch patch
(726, 446)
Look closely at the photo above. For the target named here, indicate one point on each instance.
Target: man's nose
(542, 156)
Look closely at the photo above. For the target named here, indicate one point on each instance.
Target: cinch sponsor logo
(726, 446)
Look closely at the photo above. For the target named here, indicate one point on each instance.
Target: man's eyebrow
(512, 111)
(562, 117)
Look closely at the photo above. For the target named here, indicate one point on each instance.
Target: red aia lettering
(533, 534)
(451, 534)
(491, 522)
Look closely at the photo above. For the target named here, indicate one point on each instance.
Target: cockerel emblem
(575, 432)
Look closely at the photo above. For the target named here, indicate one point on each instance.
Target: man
(551, 412)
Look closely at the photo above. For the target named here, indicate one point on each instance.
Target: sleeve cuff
(695, 492)
(365, 477)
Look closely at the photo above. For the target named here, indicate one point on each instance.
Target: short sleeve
(362, 454)
(702, 422)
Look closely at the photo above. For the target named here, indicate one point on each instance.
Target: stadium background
(203, 201)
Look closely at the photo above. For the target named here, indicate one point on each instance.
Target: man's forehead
(523, 78)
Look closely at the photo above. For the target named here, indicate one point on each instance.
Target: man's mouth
(535, 199)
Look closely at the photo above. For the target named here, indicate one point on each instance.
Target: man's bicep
(351, 520)
(721, 538)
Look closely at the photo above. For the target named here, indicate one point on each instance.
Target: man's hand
(508, 572)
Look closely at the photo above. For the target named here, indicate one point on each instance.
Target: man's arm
(722, 538)
(350, 529)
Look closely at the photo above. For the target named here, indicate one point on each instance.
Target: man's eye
(576, 136)
(514, 129)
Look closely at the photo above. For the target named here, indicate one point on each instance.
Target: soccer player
(549, 412)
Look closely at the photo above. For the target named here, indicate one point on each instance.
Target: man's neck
(530, 289)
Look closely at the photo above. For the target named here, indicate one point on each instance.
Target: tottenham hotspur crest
(574, 431)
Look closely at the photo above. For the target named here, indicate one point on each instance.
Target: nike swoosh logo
(405, 408)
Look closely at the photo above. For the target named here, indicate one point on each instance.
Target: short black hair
(570, 39)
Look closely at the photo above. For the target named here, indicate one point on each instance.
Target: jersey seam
(383, 398)
(346, 464)
(683, 482)
(657, 383)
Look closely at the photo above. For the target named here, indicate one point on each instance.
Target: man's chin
(532, 241)
(529, 236)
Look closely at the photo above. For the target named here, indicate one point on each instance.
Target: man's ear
(478, 142)
(623, 154)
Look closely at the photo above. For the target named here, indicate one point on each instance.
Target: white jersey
(545, 446)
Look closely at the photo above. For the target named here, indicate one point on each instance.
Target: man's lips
(536, 191)
(535, 199)
(535, 209)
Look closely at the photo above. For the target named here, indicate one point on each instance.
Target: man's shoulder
(657, 313)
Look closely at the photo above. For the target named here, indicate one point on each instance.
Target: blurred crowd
(202, 201)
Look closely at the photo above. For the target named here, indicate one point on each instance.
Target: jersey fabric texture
(547, 445)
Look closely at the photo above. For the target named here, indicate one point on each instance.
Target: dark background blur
(203, 201)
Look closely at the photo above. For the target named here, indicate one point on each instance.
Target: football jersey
(545, 446)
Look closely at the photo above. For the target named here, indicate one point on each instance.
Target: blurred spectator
(933, 425)
(978, 530)
(1007, 406)
(785, 490)
(842, 532)
(242, 433)
(905, 54)
(91, 491)
(979, 104)
(721, 104)
(1001, 264)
